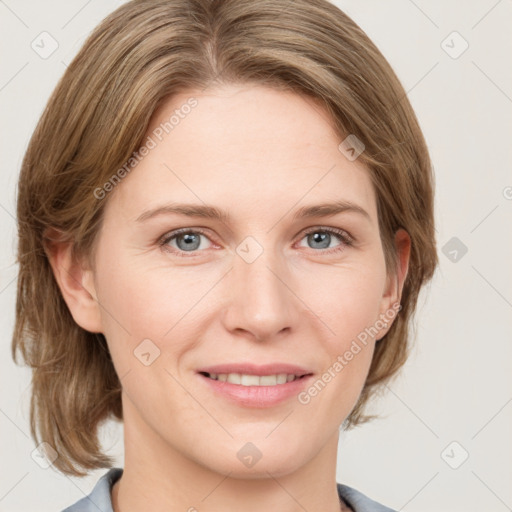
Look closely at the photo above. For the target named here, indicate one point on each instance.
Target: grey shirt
(99, 499)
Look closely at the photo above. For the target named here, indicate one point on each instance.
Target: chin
(277, 467)
(244, 460)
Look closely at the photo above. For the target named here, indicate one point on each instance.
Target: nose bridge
(260, 301)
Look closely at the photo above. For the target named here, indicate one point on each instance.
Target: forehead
(243, 146)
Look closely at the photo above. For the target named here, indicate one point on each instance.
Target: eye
(321, 238)
(187, 240)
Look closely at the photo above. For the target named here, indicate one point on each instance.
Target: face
(204, 315)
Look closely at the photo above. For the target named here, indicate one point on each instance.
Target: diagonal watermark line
(85, 494)
(376, 123)
(492, 211)
(97, 301)
(406, 503)
(199, 403)
(13, 486)
(113, 318)
(301, 300)
(3, 3)
(192, 307)
(411, 411)
(8, 82)
(419, 81)
(290, 209)
(485, 15)
(424, 14)
(286, 491)
(170, 170)
(217, 486)
(491, 80)
(14, 424)
(280, 423)
(510, 400)
(493, 287)
(184, 184)
(167, 167)
(491, 490)
(1, 205)
(8, 284)
(76, 14)
(125, 374)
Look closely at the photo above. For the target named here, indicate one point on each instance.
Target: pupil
(319, 237)
(190, 239)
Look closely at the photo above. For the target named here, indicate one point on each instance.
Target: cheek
(159, 304)
(346, 300)
(348, 346)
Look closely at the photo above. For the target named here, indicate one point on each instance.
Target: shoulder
(359, 502)
(99, 499)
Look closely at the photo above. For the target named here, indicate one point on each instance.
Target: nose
(261, 302)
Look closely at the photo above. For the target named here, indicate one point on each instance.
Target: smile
(255, 386)
(253, 380)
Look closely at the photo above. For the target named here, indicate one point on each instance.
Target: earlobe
(75, 281)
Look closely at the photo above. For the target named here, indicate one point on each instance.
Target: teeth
(253, 380)
(234, 378)
(249, 380)
(268, 380)
(281, 378)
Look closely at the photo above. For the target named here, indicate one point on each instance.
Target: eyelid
(167, 237)
(342, 233)
(346, 238)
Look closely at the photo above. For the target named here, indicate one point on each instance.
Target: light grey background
(456, 387)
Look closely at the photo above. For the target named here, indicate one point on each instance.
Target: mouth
(244, 379)
(250, 385)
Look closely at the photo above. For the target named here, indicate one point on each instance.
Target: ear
(395, 281)
(75, 280)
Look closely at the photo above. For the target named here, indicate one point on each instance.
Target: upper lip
(254, 369)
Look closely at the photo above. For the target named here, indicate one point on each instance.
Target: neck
(158, 477)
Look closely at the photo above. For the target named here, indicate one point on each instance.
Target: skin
(260, 154)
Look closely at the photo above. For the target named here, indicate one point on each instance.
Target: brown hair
(97, 117)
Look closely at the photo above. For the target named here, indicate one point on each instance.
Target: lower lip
(257, 396)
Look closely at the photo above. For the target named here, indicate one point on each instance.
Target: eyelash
(346, 239)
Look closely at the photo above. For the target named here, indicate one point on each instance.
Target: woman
(225, 218)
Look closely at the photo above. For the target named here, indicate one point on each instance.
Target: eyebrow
(212, 212)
